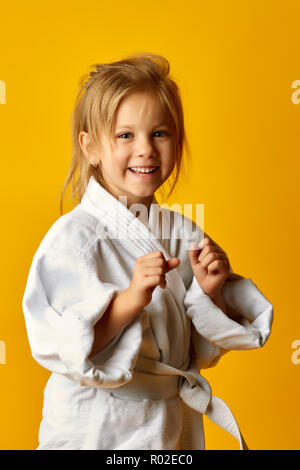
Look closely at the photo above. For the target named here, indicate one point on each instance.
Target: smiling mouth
(143, 171)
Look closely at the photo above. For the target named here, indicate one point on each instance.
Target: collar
(115, 219)
(137, 235)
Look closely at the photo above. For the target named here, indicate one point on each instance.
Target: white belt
(156, 380)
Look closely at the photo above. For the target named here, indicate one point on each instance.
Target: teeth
(143, 170)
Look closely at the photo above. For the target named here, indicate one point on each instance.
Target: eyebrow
(127, 126)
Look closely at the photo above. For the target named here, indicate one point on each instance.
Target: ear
(84, 142)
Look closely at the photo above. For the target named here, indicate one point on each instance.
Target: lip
(143, 166)
(144, 175)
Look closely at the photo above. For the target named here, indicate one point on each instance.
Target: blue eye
(161, 131)
(128, 133)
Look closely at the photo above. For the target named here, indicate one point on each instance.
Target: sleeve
(206, 353)
(64, 298)
(214, 332)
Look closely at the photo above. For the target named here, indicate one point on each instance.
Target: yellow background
(234, 62)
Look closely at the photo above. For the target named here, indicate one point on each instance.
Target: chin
(144, 195)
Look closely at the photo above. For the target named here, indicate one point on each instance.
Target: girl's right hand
(149, 272)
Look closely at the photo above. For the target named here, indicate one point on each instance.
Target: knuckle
(162, 266)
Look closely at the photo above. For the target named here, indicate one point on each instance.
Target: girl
(123, 316)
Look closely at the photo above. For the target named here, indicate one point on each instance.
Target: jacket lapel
(140, 236)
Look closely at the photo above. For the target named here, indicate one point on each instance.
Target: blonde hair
(97, 103)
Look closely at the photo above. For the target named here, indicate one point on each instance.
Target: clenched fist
(211, 268)
(149, 272)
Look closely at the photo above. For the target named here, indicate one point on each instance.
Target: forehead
(140, 107)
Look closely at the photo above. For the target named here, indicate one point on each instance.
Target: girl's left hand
(211, 268)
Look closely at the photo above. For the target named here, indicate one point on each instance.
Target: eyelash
(126, 133)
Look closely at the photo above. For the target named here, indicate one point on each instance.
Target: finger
(207, 240)
(203, 255)
(203, 243)
(218, 265)
(154, 271)
(156, 254)
(152, 255)
(159, 266)
(171, 264)
(209, 244)
(194, 254)
(210, 258)
(153, 260)
(209, 248)
(204, 247)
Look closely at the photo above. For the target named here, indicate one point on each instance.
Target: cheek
(117, 162)
(170, 157)
(169, 150)
(121, 159)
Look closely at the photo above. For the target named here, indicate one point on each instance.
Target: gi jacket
(144, 390)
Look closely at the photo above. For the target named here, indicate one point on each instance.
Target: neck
(129, 200)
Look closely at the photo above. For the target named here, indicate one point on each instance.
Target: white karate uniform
(144, 389)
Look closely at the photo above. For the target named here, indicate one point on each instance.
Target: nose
(145, 146)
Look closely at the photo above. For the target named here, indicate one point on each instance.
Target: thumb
(172, 263)
(194, 254)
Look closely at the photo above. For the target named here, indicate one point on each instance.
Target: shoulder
(74, 232)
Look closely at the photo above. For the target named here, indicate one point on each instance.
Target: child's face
(143, 137)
